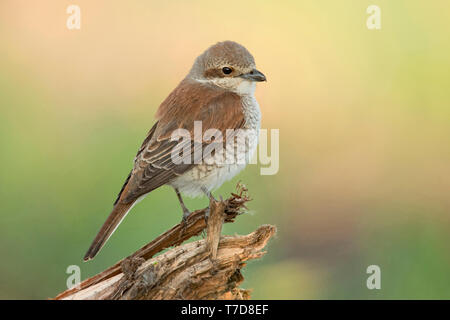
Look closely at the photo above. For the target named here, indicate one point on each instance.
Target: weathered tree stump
(203, 269)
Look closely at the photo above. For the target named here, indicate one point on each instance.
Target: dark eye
(227, 70)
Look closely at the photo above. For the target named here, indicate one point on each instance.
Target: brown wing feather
(189, 102)
(143, 145)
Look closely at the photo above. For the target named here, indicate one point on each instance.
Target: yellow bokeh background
(364, 120)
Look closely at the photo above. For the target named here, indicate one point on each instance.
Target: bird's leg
(208, 194)
(186, 211)
(211, 197)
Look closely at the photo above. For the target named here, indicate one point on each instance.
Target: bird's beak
(254, 75)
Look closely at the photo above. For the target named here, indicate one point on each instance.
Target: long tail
(118, 213)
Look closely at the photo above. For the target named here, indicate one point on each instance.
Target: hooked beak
(254, 75)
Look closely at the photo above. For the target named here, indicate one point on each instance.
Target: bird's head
(228, 65)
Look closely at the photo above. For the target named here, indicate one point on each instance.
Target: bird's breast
(230, 160)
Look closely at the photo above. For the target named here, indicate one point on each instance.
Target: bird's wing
(153, 167)
(144, 144)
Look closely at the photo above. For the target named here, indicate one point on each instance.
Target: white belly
(212, 176)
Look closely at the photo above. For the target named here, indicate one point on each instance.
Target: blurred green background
(364, 119)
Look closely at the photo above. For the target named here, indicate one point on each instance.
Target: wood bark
(209, 268)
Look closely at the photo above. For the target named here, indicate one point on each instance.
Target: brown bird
(217, 93)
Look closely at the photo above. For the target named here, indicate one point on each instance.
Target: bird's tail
(118, 213)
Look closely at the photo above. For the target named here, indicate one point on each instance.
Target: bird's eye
(227, 70)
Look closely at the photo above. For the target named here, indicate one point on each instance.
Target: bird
(218, 93)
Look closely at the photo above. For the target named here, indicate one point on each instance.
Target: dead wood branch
(204, 269)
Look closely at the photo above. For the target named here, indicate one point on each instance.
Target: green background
(364, 120)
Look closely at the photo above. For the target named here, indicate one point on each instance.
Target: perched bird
(218, 93)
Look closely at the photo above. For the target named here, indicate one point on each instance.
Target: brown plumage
(192, 100)
(189, 102)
